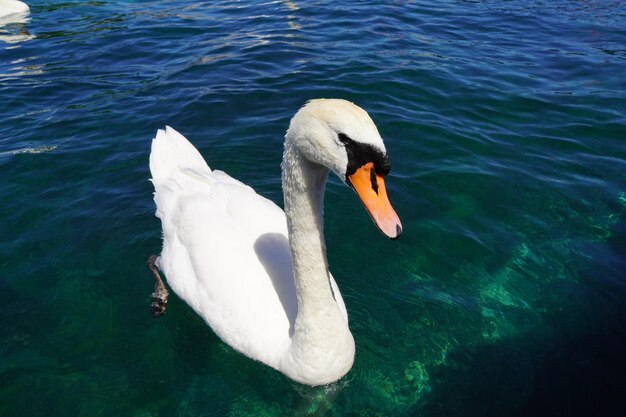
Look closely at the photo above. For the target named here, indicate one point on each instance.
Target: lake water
(505, 122)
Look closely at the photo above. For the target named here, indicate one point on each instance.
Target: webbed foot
(158, 304)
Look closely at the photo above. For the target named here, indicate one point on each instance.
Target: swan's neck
(320, 325)
(303, 188)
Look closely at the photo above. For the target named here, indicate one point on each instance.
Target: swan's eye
(373, 180)
(360, 154)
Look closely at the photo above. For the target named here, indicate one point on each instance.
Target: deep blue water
(505, 123)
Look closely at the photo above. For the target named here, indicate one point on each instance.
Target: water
(505, 123)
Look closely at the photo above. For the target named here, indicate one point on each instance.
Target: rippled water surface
(505, 122)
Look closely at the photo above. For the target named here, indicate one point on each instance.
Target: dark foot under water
(158, 304)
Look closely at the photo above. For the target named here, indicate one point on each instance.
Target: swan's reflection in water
(20, 67)
(317, 401)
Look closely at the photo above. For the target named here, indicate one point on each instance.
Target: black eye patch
(360, 154)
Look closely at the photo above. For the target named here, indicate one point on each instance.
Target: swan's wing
(238, 273)
(225, 250)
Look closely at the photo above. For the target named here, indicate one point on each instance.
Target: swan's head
(342, 137)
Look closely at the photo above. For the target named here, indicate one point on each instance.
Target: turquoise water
(505, 122)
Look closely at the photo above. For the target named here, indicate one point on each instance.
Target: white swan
(256, 274)
(13, 11)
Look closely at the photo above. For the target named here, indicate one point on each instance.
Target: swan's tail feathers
(176, 167)
(172, 152)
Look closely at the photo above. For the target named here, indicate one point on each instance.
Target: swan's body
(256, 274)
(13, 11)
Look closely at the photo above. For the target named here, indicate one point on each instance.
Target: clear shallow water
(506, 128)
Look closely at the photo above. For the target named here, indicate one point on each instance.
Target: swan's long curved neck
(303, 187)
(319, 317)
(322, 347)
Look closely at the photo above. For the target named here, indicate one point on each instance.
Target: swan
(257, 275)
(12, 11)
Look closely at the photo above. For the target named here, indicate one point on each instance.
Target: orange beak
(370, 187)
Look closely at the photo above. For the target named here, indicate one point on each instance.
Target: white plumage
(12, 10)
(226, 249)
